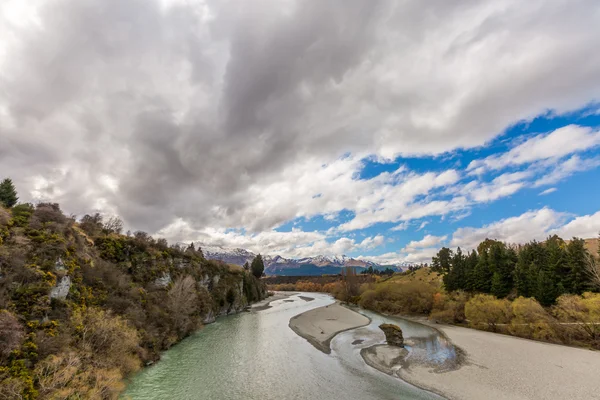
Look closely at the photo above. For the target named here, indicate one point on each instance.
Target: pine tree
(8, 193)
(577, 281)
(558, 266)
(545, 292)
(470, 265)
(483, 273)
(502, 265)
(257, 266)
(454, 279)
(441, 262)
(522, 271)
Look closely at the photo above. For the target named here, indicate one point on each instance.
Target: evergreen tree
(522, 271)
(455, 279)
(470, 265)
(483, 273)
(257, 266)
(545, 292)
(441, 262)
(577, 281)
(246, 266)
(502, 267)
(8, 193)
(558, 267)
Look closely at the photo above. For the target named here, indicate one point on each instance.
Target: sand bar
(508, 368)
(320, 325)
(266, 303)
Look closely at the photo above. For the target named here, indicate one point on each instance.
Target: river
(257, 356)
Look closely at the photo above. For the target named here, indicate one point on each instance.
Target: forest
(83, 305)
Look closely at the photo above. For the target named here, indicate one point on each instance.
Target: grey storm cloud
(165, 110)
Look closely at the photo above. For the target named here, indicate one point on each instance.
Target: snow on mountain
(278, 265)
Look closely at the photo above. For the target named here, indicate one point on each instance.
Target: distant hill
(592, 245)
(277, 265)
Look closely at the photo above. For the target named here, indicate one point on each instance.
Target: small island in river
(320, 325)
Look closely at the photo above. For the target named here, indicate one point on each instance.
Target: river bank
(507, 368)
(485, 364)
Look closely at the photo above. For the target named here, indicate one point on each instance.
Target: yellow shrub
(487, 312)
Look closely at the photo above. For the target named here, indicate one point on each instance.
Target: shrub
(487, 312)
(449, 308)
(400, 298)
(12, 334)
(531, 320)
(582, 313)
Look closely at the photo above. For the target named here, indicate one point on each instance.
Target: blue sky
(381, 129)
(574, 195)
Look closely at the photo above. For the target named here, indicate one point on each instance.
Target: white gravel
(320, 325)
(502, 367)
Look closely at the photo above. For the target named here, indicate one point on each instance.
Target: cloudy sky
(370, 128)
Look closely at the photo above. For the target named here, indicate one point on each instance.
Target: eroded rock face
(393, 334)
(163, 281)
(61, 290)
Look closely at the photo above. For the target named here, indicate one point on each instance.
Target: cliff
(82, 306)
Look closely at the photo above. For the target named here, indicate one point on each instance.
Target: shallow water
(257, 356)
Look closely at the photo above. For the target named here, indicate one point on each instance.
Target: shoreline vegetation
(83, 306)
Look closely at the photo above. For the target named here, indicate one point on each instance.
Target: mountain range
(277, 265)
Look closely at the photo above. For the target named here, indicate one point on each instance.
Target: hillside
(82, 306)
(592, 245)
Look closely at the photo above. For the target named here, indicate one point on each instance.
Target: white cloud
(401, 226)
(501, 186)
(208, 116)
(586, 226)
(532, 225)
(567, 168)
(423, 225)
(427, 241)
(548, 191)
(557, 144)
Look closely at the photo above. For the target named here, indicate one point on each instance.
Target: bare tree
(113, 225)
(592, 267)
(182, 302)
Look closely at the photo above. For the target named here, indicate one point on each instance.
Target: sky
(380, 129)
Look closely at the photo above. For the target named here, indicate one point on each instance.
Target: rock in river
(393, 334)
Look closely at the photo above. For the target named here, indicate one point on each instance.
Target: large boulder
(393, 334)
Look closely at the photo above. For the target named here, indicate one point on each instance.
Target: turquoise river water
(255, 355)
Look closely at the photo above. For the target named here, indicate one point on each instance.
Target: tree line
(543, 270)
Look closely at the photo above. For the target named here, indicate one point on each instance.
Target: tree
(113, 225)
(441, 262)
(577, 281)
(8, 193)
(230, 297)
(593, 270)
(258, 266)
(246, 266)
(582, 313)
(483, 273)
(182, 303)
(502, 264)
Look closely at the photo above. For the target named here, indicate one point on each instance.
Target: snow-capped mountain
(277, 265)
